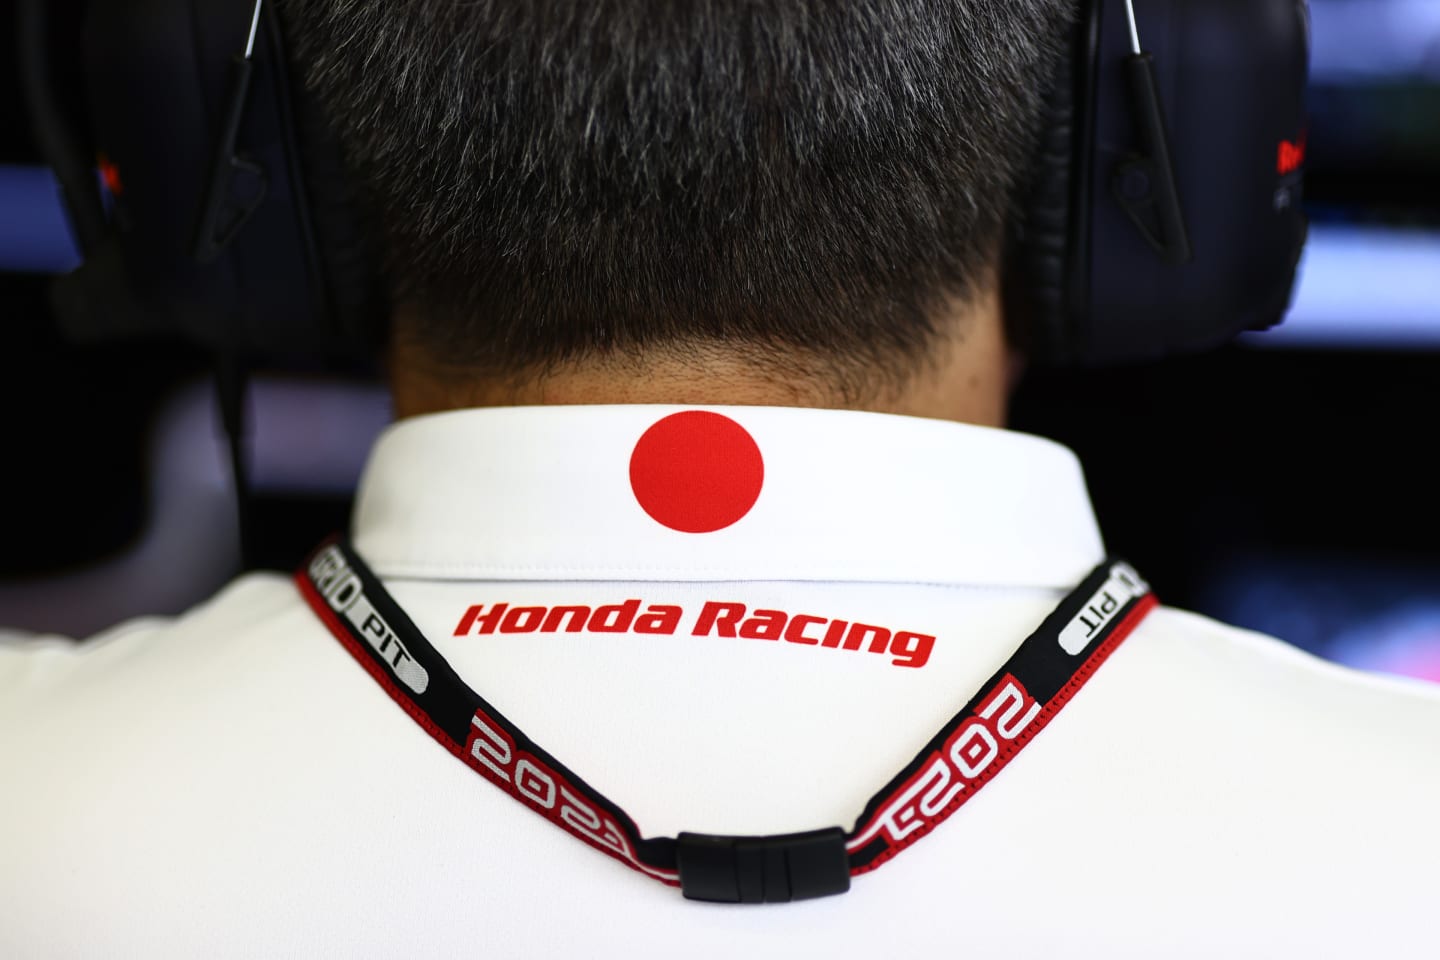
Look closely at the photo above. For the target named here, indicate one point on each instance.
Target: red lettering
(721, 617)
(717, 618)
(879, 637)
(911, 649)
(614, 618)
(795, 631)
(522, 620)
(575, 622)
(764, 625)
(658, 618)
(487, 623)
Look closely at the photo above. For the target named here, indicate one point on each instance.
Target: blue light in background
(1362, 41)
(34, 232)
(1366, 613)
(1403, 641)
(1366, 287)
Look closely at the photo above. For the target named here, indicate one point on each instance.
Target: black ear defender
(1163, 216)
(230, 221)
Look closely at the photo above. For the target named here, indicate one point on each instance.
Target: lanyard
(975, 745)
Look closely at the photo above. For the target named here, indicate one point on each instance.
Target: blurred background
(1287, 483)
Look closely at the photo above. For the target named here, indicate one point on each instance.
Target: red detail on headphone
(110, 175)
(696, 471)
(1292, 156)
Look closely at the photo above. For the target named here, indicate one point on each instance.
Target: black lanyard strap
(1014, 705)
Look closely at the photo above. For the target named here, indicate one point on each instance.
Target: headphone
(1163, 215)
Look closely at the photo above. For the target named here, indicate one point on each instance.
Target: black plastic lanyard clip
(777, 869)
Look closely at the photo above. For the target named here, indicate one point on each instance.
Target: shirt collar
(543, 493)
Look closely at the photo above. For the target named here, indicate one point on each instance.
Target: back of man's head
(783, 178)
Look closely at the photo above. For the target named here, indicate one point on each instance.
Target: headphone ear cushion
(344, 236)
(1039, 269)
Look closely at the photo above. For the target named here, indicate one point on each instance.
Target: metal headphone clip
(1144, 185)
(224, 212)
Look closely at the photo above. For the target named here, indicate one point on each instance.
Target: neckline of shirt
(544, 493)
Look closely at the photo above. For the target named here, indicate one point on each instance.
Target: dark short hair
(558, 178)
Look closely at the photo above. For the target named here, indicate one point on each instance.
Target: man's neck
(966, 377)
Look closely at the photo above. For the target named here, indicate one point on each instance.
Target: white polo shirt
(231, 783)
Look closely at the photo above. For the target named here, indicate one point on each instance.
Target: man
(698, 356)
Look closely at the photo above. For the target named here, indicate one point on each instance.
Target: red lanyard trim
(1038, 680)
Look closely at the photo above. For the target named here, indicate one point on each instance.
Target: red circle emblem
(696, 471)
